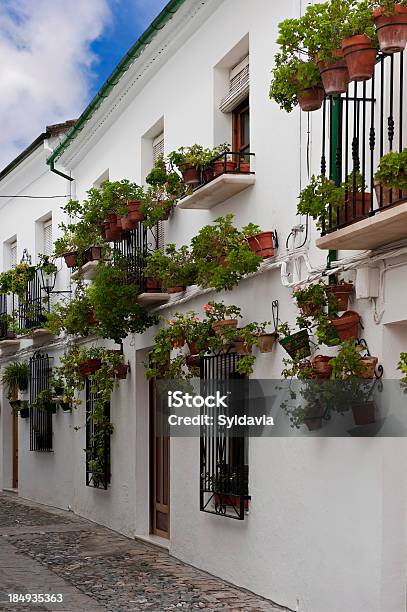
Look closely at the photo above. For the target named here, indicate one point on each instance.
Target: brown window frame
(237, 145)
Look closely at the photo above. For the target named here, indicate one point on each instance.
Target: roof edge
(135, 51)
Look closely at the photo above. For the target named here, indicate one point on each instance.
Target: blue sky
(54, 57)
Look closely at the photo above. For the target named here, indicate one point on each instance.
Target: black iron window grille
(359, 127)
(40, 420)
(224, 472)
(230, 162)
(135, 246)
(32, 308)
(4, 327)
(97, 443)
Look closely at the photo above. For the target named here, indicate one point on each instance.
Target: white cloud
(45, 65)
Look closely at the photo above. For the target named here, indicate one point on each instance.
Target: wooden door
(159, 472)
(15, 448)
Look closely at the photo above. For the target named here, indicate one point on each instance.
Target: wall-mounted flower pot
(219, 326)
(90, 366)
(311, 99)
(347, 325)
(207, 174)
(93, 253)
(190, 174)
(308, 309)
(127, 223)
(266, 342)
(121, 371)
(193, 347)
(244, 166)
(220, 166)
(241, 347)
(221, 499)
(334, 75)
(321, 367)
(360, 56)
(391, 29)
(341, 292)
(51, 408)
(262, 244)
(134, 210)
(384, 194)
(348, 213)
(193, 361)
(364, 413)
(25, 412)
(313, 420)
(369, 367)
(297, 345)
(66, 406)
(70, 258)
(177, 343)
(179, 289)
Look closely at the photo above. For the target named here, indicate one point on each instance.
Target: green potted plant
(165, 188)
(390, 18)
(173, 267)
(391, 177)
(359, 44)
(222, 316)
(296, 344)
(296, 82)
(261, 243)
(318, 198)
(402, 366)
(347, 325)
(221, 160)
(45, 402)
(15, 379)
(189, 162)
(311, 299)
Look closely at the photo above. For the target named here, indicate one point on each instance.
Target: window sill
(152, 299)
(10, 346)
(86, 272)
(217, 191)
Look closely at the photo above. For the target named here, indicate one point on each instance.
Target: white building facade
(326, 525)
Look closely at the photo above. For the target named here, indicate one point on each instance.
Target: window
(224, 468)
(158, 149)
(97, 443)
(241, 128)
(47, 244)
(239, 83)
(13, 254)
(40, 420)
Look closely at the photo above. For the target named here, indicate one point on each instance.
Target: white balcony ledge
(87, 271)
(9, 346)
(152, 299)
(42, 332)
(217, 191)
(384, 228)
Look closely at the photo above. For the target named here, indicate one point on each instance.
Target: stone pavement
(48, 551)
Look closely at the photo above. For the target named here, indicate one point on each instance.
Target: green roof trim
(135, 51)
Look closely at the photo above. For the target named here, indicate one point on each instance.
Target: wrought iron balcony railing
(359, 127)
(134, 247)
(231, 163)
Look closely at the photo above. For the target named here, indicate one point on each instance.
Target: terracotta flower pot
(309, 309)
(121, 371)
(92, 318)
(134, 213)
(220, 167)
(90, 366)
(108, 235)
(321, 366)
(244, 167)
(242, 348)
(311, 99)
(94, 253)
(347, 214)
(70, 259)
(190, 174)
(364, 413)
(177, 343)
(384, 194)
(341, 292)
(297, 345)
(127, 223)
(222, 499)
(334, 75)
(193, 348)
(193, 361)
(207, 174)
(360, 56)
(266, 342)
(112, 218)
(262, 244)
(153, 285)
(179, 289)
(369, 367)
(347, 325)
(218, 326)
(391, 29)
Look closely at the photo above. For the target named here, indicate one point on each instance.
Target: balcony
(360, 127)
(230, 174)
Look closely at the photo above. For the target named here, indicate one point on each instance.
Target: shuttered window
(47, 237)
(13, 254)
(239, 83)
(158, 149)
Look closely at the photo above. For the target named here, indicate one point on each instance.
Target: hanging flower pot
(297, 345)
(220, 166)
(193, 361)
(360, 56)
(190, 174)
(193, 347)
(66, 406)
(179, 289)
(262, 244)
(391, 29)
(90, 366)
(51, 408)
(121, 371)
(341, 292)
(346, 326)
(369, 367)
(266, 342)
(134, 213)
(311, 99)
(321, 367)
(364, 413)
(334, 75)
(177, 343)
(242, 347)
(25, 412)
(93, 253)
(219, 326)
(70, 258)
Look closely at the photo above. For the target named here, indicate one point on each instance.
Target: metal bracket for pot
(275, 306)
(362, 342)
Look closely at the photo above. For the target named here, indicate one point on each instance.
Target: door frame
(164, 443)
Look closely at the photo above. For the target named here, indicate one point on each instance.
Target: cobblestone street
(44, 550)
